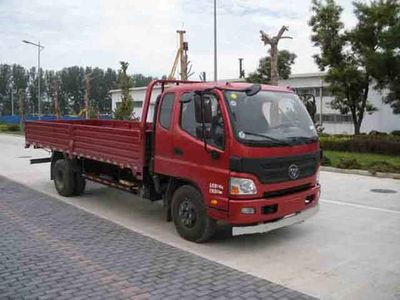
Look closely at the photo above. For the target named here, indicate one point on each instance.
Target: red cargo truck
(243, 154)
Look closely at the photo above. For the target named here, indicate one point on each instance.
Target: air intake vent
(272, 170)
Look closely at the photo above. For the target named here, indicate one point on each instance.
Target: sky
(100, 33)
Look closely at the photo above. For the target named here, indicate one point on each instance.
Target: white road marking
(362, 206)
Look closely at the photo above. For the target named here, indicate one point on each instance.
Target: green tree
(377, 38)
(351, 56)
(110, 82)
(20, 80)
(101, 83)
(125, 108)
(5, 89)
(32, 92)
(72, 89)
(141, 80)
(262, 74)
(52, 92)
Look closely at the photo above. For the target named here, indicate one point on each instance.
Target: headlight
(242, 186)
(318, 175)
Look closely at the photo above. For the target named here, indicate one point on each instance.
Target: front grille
(287, 191)
(276, 169)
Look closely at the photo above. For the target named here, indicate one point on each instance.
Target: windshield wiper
(303, 139)
(277, 141)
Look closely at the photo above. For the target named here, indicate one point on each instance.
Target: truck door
(191, 160)
(163, 141)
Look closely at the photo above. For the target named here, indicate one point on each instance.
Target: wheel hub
(187, 213)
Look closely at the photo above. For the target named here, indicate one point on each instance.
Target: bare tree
(55, 94)
(88, 86)
(273, 43)
(21, 108)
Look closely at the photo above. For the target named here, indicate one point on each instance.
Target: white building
(311, 83)
(334, 122)
(138, 94)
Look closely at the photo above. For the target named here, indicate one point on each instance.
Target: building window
(316, 91)
(166, 110)
(335, 118)
(137, 104)
(309, 90)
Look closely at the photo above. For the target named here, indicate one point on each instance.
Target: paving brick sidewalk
(51, 250)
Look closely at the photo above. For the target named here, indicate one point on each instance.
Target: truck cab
(249, 152)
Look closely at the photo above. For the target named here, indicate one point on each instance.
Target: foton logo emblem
(293, 171)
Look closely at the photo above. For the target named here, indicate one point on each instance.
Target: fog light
(309, 199)
(248, 210)
(214, 202)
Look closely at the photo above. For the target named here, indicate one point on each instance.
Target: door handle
(178, 151)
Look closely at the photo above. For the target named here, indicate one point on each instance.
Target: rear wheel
(79, 184)
(190, 215)
(64, 178)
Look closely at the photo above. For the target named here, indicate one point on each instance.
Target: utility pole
(321, 102)
(273, 52)
(39, 99)
(12, 101)
(183, 48)
(181, 57)
(87, 94)
(215, 42)
(241, 71)
(40, 48)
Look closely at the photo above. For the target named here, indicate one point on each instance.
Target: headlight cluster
(242, 186)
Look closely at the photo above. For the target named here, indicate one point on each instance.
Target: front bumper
(271, 209)
(287, 221)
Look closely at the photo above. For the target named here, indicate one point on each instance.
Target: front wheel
(190, 215)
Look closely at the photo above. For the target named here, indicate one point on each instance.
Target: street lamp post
(12, 102)
(12, 98)
(215, 41)
(40, 48)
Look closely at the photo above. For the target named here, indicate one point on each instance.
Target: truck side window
(166, 110)
(214, 132)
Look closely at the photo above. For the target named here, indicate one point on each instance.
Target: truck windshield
(272, 118)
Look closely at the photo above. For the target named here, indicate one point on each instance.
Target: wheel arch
(175, 183)
(54, 157)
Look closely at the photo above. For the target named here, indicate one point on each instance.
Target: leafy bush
(13, 127)
(9, 127)
(325, 161)
(380, 144)
(376, 132)
(348, 163)
(395, 133)
(383, 166)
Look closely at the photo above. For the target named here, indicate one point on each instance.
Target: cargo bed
(115, 142)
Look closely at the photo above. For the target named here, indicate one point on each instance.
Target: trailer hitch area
(40, 160)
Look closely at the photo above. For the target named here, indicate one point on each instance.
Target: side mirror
(203, 110)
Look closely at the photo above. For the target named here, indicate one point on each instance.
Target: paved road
(52, 250)
(350, 250)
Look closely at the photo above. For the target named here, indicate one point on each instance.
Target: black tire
(64, 178)
(190, 215)
(79, 184)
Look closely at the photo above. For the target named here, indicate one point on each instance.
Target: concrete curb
(361, 172)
